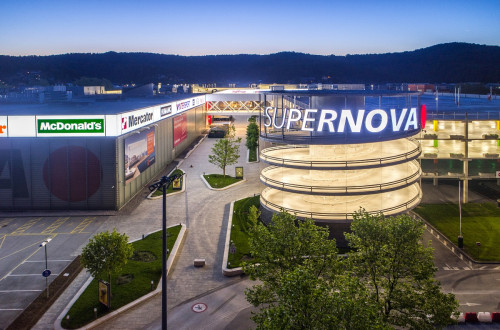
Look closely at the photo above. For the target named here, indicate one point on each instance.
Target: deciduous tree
(226, 151)
(303, 284)
(106, 253)
(398, 269)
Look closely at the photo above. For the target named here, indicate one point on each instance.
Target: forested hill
(452, 62)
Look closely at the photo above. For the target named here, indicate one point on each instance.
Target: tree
(398, 270)
(303, 282)
(226, 151)
(106, 253)
(252, 135)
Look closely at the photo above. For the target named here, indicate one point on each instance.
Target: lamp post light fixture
(163, 185)
(46, 272)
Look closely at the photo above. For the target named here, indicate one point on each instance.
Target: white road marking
(6, 291)
(31, 274)
(48, 260)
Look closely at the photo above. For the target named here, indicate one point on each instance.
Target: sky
(193, 27)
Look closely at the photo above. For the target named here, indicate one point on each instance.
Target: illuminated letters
(347, 115)
(373, 121)
(307, 119)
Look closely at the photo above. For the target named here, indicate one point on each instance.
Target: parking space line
(48, 260)
(5, 222)
(11, 309)
(58, 223)
(3, 239)
(24, 248)
(19, 275)
(25, 227)
(82, 226)
(7, 291)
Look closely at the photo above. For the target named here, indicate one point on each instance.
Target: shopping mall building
(90, 156)
(324, 152)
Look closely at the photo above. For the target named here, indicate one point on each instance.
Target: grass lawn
(143, 271)
(252, 155)
(170, 189)
(239, 231)
(480, 223)
(219, 181)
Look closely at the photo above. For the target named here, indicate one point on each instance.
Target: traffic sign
(497, 174)
(199, 307)
(46, 273)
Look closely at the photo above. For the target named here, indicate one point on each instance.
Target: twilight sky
(195, 27)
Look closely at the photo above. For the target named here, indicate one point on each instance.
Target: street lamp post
(460, 237)
(46, 272)
(163, 185)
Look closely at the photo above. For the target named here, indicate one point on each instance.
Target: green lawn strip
(252, 155)
(240, 231)
(82, 311)
(219, 181)
(480, 223)
(170, 189)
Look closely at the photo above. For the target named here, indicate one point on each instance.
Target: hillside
(452, 62)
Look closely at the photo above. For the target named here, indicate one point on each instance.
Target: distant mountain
(452, 62)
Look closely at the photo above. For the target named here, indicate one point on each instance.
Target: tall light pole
(163, 185)
(460, 238)
(46, 272)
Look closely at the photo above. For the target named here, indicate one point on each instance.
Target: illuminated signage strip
(3, 126)
(328, 126)
(100, 125)
(70, 126)
(332, 121)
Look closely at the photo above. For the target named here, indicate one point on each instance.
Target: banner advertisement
(104, 293)
(180, 129)
(139, 153)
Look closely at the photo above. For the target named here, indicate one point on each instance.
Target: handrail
(336, 216)
(330, 189)
(410, 155)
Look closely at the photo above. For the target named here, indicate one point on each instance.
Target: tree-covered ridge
(452, 62)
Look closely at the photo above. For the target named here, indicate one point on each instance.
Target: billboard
(180, 129)
(139, 153)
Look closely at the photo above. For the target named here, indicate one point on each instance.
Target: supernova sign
(70, 126)
(356, 125)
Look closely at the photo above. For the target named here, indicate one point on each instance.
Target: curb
(229, 271)
(219, 189)
(171, 258)
(248, 157)
(150, 196)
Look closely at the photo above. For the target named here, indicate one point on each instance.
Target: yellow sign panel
(104, 293)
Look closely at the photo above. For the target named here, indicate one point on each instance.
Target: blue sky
(192, 27)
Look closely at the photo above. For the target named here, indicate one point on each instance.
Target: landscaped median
(480, 227)
(137, 282)
(220, 182)
(237, 248)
